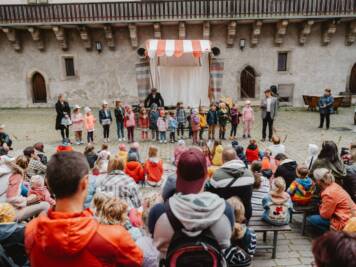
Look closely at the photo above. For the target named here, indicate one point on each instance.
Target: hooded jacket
(217, 157)
(337, 168)
(196, 212)
(287, 170)
(252, 153)
(77, 239)
(233, 179)
(12, 240)
(350, 181)
(154, 170)
(277, 208)
(301, 190)
(312, 155)
(135, 170)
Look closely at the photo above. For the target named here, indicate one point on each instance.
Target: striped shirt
(259, 193)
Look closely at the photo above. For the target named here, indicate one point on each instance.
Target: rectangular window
(282, 61)
(69, 65)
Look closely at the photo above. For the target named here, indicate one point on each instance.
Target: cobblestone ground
(298, 128)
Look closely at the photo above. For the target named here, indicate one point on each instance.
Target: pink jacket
(42, 194)
(130, 119)
(90, 122)
(162, 124)
(13, 192)
(248, 114)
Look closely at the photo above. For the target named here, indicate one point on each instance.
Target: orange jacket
(335, 206)
(154, 170)
(135, 170)
(60, 239)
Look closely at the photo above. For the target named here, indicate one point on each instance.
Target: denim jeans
(319, 222)
(162, 136)
(120, 129)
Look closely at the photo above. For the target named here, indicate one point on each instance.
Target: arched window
(39, 92)
(248, 83)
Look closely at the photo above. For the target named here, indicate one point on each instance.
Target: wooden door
(248, 82)
(39, 93)
(353, 80)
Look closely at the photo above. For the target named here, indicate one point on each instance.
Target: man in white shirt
(269, 107)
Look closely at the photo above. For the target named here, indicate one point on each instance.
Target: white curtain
(184, 79)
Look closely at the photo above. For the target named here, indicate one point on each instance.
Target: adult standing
(269, 106)
(120, 119)
(154, 97)
(63, 118)
(105, 120)
(325, 105)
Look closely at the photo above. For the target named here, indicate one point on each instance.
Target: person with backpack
(190, 216)
(68, 234)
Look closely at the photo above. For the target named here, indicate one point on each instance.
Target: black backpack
(199, 251)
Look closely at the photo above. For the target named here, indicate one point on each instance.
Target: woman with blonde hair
(336, 204)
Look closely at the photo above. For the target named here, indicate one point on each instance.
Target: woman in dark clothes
(63, 118)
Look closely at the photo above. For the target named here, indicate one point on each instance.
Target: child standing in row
(78, 125)
(172, 127)
(154, 115)
(212, 120)
(130, 124)
(120, 120)
(248, 118)
(89, 122)
(162, 126)
(235, 120)
(203, 123)
(223, 115)
(181, 118)
(144, 124)
(195, 122)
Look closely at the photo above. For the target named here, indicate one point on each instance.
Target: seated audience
(122, 153)
(336, 204)
(350, 179)
(39, 149)
(11, 237)
(39, 190)
(103, 159)
(195, 210)
(261, 186)
(312, 155)
(329, 158)
(153, 167)
(233, 179)
(120, 185)
(242, 236)
(286, 168)
(4, 137)
(277, 204)
(239, 152)
(252, 152)
(82, 240)
(217, 154)
(26, 207)
(302, 188)
(114, 211)
(178, 150)
(134, 168)
(90, 155)
(206, 151)
(335, 249)
(135, 149)
(276, 147)
(35, 166)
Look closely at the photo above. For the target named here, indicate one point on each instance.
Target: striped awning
(169, 48)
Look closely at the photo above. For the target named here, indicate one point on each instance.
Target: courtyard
(297, 128)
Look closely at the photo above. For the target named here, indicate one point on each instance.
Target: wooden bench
(259, 226)
(305, 211)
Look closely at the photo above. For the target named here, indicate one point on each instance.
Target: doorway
(248, 82)
(353, 80)
(39, 92)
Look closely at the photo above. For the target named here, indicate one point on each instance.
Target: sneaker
(107, 140)
(244, 136)
(77, 143)
(160, 141)
(165, 141)
(263, 140)
(124, 139)
(120, 139)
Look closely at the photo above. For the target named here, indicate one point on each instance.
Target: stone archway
(39, 91)
(248, 82)
(352, 85)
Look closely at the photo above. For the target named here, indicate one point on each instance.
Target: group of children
(169, 126)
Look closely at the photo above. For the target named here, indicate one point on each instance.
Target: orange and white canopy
(169, 48)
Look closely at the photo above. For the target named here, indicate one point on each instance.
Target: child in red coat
(134, 168)
(153, 167)
(144, 122)
(252, 152)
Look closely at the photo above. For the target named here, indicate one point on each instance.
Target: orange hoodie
(135, 170)
(60, 239)
(154, 170)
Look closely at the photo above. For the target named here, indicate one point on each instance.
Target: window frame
(287, 60)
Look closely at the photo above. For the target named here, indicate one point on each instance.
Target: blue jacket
(326, 104)
(212, 117)
(103, 116)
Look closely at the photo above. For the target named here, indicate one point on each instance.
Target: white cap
(87, 109)
(248, 102)
(76, 107)
(104, 102)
